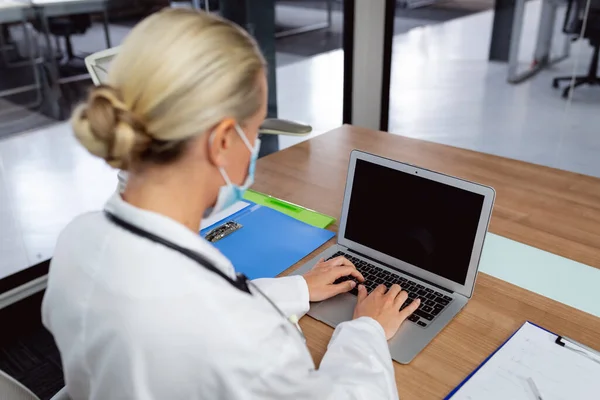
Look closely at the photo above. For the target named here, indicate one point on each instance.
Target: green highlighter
(300, 213)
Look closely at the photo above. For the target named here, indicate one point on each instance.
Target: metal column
(368, 35)
(504, 13)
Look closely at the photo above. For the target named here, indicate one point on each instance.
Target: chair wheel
(555, 84)
(565, 94)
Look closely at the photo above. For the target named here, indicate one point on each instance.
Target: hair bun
(108, 129)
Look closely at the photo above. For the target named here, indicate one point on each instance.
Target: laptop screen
(425, 223)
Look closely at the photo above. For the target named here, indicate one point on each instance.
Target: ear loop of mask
(242, 134)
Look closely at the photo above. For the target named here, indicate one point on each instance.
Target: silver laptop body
(407, 224)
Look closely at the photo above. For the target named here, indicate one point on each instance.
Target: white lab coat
(136, 320)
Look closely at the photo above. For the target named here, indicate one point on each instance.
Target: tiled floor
(46, 179)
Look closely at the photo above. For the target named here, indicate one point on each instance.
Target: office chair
(11, 389)
(66, 27)
(573, 25)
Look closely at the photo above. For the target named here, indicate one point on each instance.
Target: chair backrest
(574, 18)
(98, 64)
(594, 18)
(10, 389)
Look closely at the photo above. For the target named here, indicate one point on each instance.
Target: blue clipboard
(269, 242)
(456, 389)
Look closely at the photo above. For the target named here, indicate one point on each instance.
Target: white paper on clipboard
(558, 372)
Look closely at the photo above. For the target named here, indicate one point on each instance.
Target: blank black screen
(424, 223)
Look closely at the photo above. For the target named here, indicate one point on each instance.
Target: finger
(342, 287)
(411, 308)
(362, 293)
(393, 292)
(379, 290)
(338, 261)
(355, 274)
(400, 299)
(347, 270)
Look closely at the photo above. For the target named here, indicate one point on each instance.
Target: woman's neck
(169, 194)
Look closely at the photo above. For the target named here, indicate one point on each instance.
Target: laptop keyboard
(432, 301)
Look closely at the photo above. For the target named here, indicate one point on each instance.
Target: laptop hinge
(404, 272)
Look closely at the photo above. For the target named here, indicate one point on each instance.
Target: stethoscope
(241, 282)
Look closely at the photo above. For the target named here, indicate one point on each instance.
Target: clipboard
(517, 371)
(460, 385)
(262, 242)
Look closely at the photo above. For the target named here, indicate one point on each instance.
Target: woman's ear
(220, 141)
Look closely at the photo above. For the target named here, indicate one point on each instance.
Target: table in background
(553, 210)
(43, 10)
(60, 8)
(12, 12)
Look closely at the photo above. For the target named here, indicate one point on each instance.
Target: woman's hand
(320, 279)
(384, 307)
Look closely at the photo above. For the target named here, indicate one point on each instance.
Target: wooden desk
(553, 210)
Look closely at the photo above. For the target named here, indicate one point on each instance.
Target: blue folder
(268, 242)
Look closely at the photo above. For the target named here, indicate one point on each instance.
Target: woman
(141, 306)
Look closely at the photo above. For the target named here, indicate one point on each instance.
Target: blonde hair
(178, 74)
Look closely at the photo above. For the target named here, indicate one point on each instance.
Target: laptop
(418, 228)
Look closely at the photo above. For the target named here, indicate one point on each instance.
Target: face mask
(229, 194)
